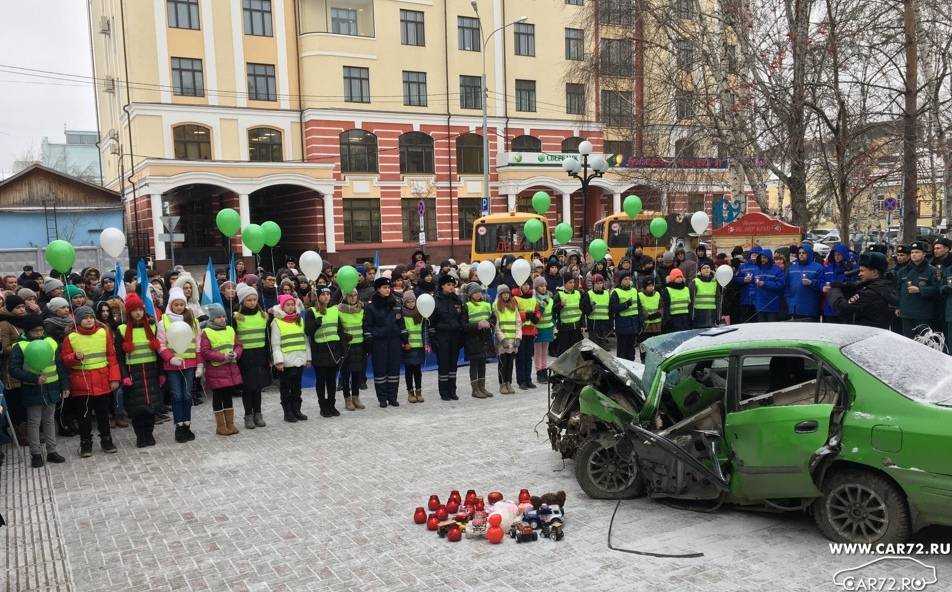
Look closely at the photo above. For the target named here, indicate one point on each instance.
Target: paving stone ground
(327, 504)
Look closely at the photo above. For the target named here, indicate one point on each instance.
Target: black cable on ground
(644, 553)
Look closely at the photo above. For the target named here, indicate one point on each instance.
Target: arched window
(526, 144)
(416, 153)
(469, 154)
(358, 152)
(570, 145)
(192, 142)
(264, 144)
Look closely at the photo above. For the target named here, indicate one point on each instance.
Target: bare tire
(603, 473)
(862, 507)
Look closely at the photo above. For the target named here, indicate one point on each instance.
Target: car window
(786, 379)
(691, 388)
(920, 373)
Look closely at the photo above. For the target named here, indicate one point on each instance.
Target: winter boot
(477, 393)
(220, 428)
(482, 387)
(107, 446)
(451, 388)
(181, 436)
(230, 422)
(411, 396)
(419, 395)
(259, 420)
(297, 411)
(85, 447)
(332, 407)
(541, 378)
(188, 431)
(289, 414)
(349, 404)
(55, 457)
(137, 426)
(36, 461)
(357, 403)
(249, 422)
(148, 425)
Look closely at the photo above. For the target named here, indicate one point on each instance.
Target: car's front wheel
(603, 472)
(862, 507)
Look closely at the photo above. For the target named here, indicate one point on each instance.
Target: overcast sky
(46, 35)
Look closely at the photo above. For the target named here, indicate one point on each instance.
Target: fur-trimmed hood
(186, 278)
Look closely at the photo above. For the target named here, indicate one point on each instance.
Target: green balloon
(60, 255)
(632, 206)
(228, 222)
(347, 278)
(272, 233)
(253, 237)
(658, 227)
(541, 202)
(597, 249)
(38, 355)
(563, 233)
(533, 229)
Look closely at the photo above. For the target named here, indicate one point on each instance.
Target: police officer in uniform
(446, 328)
(873, 301)
(918, 289)
(623, 306)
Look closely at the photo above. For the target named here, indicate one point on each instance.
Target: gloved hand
(230, 356)
(483, 324)
(199, 370)
(176, 361)
(532, 317)
(127, 381)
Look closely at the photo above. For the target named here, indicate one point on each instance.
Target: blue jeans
(180, 385)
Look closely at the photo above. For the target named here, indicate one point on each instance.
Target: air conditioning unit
(115, 149)
(105, 26)
(109, 84)
(112, 135)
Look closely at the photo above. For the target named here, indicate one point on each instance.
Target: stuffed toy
(557, 499)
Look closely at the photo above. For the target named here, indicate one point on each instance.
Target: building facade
(337, 118)
(78, 156)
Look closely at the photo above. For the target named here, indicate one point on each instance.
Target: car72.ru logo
(909, 574)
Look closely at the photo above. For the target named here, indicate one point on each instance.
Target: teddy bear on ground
(556, 499)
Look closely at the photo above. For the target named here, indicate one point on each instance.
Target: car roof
(821, 333)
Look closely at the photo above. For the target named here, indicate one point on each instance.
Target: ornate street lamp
(580, 170)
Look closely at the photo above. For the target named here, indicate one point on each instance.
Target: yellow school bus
(619, 231)
(498, 235)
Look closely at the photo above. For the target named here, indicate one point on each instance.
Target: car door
(773, 434)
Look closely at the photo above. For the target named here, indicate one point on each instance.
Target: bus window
(622, 233)
(505, 238)
(599, 229)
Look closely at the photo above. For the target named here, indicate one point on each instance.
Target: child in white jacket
(290, 354)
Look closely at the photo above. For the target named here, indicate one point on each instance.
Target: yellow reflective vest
(93, 347)
(679, 301)
(192, 351)
(50, 371)
(252, 330)
(705, 294)
(327, 332)
(628, 295)
(599, 304)
(571, 311)
(141, 352)
(221, 340)
(292, 336)
(507, 323)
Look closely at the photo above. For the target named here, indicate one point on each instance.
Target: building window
(344, 21)
(261, 83)
(574, 44)
(414, 89)
(617, 57)
(411, 28)
(525, 39)
(361, 220)
(356, 85)
(695, 202)
(684, 9)
(470, 92)
(468, 30)
(616, 12)
(685, 148)
(183, 14)
(575, 98)
(192, 142)
(258, 18)
(684, 104)
(416, 153)
(469, 210)
(621, 149)
(525, 95)
(411, 219)
(575, 2)
(684, 50)
(524, 204)
(526, 144)
(570, 145)
(264, 145)
(616, 108)
(469, 154)
(358, 152)
(187, 79)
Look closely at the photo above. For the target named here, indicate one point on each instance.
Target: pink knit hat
(284, 298)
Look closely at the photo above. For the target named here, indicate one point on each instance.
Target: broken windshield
(658, 348)
(905, 374)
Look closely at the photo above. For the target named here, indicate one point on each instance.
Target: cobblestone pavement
(327, 505)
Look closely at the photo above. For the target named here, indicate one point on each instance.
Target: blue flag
(144, 288)
(120, 284)
(210, 291)
(232, 274)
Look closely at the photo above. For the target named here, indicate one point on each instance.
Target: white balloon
(112, 241)
(425, 304)
(486, 272)
(700, 222)
(724, 275)
(311, 264)
(521, 270)
(179, 336)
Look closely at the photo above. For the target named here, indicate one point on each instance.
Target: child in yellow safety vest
(705, 298)
(137, 349)
(180, 368)
(677, 303)
(651, 308)
(290, 354)
(414, 350)
(508, 336)
(595, 306)
(251, 324)
(529, 315)
(220, 350)
(353, 368)
(545, 328)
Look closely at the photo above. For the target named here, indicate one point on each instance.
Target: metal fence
(13, 260)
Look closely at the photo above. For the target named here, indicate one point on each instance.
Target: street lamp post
(485, 99)
(580, 171)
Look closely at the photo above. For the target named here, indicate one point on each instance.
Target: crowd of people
(114, 361)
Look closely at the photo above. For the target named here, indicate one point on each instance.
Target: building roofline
(64, 176)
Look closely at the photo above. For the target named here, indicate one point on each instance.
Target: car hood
(571, 363)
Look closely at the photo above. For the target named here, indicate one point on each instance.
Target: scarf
(413, 313)
(290, 317)
(128, 345)
(543, 299)
(351, 308)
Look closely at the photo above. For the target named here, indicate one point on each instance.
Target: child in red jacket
(90, 354)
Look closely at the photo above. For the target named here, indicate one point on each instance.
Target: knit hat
(57, 303)
(175, 294)
(244, 290)
(667, 257)
(420, 265)
(647, 281)
(82, 312)
(447, 279)
(215, 310)
(473, 287)
(567, 275)
(51, 284)
(873, 260)
(133, 302)
(517, 291)
(502, 289)
(284, 298)
(408, 296)
(12, 301)
(29, 322)
(361, 269)
(109, 275)
(597, 278)
(251, 279)
(26, 293)
(538, 282)
(620, 275)
(381, 281)
(675, 274)
(72, 291)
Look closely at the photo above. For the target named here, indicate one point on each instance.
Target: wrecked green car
(853, 424)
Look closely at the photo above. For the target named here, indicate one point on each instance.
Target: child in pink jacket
(220, 350)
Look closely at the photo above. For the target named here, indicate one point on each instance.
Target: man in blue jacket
(804, 282)
(745, 278)
(769, 284)
(839, 269)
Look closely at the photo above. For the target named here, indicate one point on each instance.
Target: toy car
(553, 529)
(548, 513)
(477, 526)
(523, 533)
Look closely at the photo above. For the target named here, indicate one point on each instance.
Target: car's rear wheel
(862, 507)
(604, 473)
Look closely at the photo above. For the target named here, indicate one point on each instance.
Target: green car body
(875, 420)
